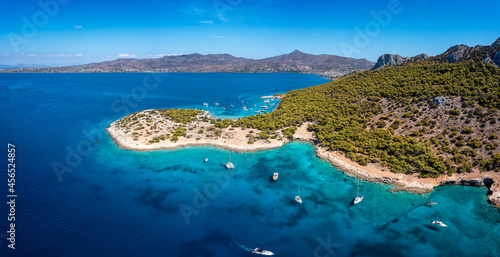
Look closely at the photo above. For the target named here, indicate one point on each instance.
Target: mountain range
(296, 61)
(487, 54)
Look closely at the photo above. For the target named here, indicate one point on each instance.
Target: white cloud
(161, 55)
(127, 56)
(78, 26)
(31, 55)
(196, 10)
(207, 22)
(56, 55)
(64, 55)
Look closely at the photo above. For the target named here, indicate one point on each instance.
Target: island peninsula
(417, 124)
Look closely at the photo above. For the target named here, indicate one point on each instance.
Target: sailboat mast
(358, 188)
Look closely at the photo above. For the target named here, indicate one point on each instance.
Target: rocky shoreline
(412, 183)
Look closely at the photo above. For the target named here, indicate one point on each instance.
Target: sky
(66, 32)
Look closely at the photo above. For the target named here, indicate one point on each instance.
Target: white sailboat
(217, 102)
(229, 165)
(359, 197)
(439, 223)
(297, 198)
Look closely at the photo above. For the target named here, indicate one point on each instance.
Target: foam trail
(240, 245)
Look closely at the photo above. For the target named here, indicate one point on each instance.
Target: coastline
(235, 139)
(219, 142)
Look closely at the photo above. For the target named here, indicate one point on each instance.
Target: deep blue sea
(80, 195)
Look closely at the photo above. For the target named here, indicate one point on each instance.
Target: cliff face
(487, 54)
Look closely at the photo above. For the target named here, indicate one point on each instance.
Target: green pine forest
(347, 117)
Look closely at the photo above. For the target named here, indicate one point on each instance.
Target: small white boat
(217, 102)
(205, 104)
(431, 203)
(261, 251)
(206, 159)
(297, 198)
(439, 223)
(229, 165)
(223, 108)
(359, 197)
(267, 101)
(232, 106)
(275, 176)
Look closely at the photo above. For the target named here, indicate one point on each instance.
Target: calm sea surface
(79, 195)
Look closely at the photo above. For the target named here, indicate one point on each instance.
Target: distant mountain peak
(496, 43)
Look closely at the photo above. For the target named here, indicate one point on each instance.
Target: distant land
(295, 62)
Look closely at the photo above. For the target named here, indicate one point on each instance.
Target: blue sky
(62, 32)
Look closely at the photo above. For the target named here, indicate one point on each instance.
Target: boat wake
(240, 245)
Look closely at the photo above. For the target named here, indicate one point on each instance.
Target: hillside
(327, 65)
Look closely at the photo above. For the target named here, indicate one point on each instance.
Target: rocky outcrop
(494, 193)
(456, 53)
(386, 60)
(389, 60)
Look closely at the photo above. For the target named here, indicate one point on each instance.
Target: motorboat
(261, 251)
(358, 199)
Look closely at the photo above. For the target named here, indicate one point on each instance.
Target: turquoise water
(171, 203)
